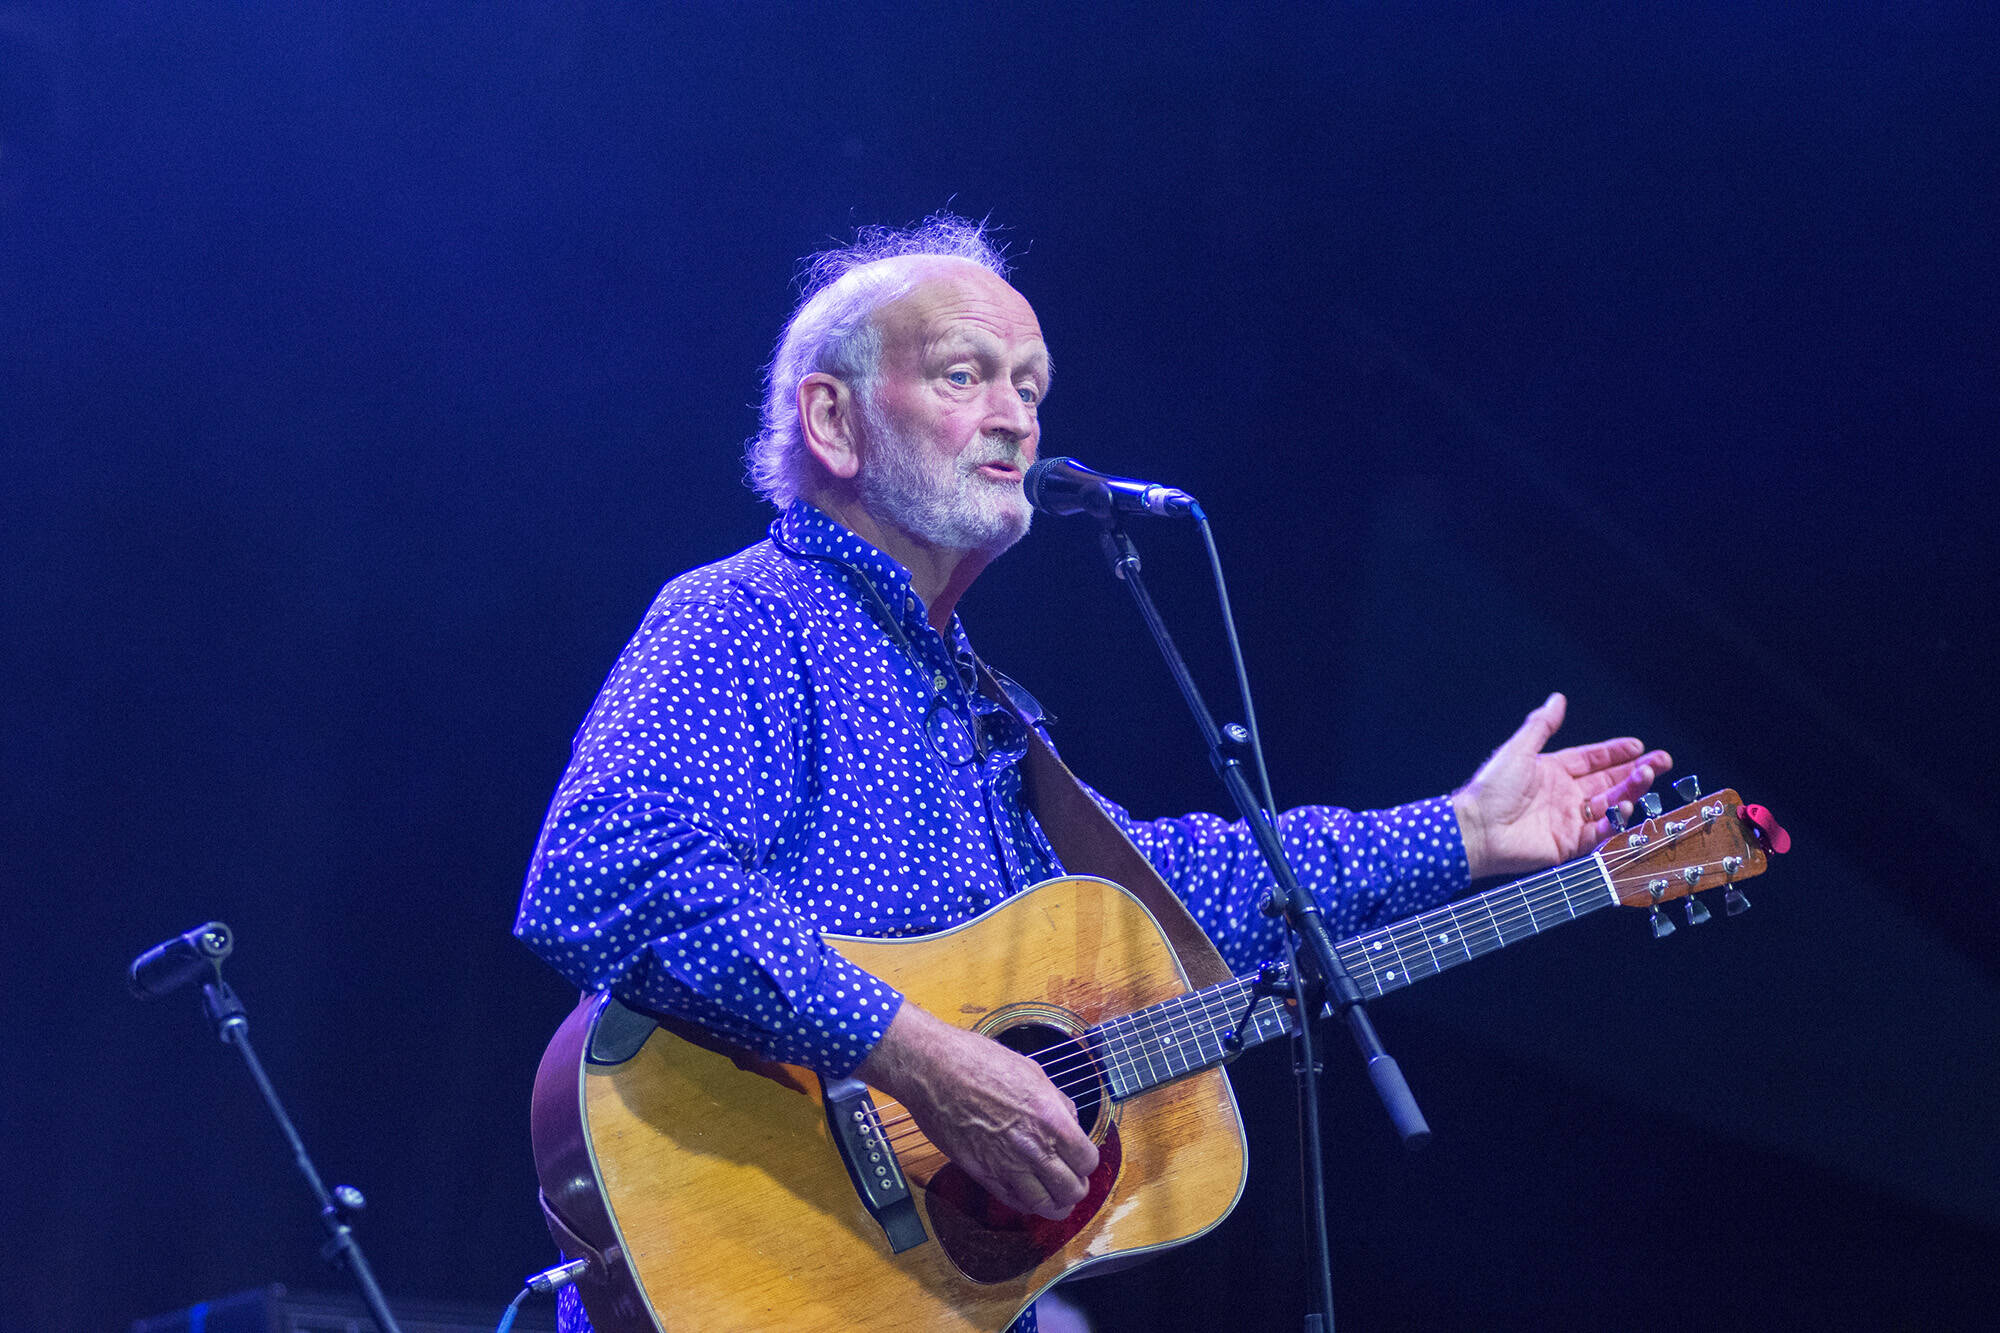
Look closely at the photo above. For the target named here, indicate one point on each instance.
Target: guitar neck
(1205, 1028)
(1426, 944)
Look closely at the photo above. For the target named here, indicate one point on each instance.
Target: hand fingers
(1012, 1128)
(1040, 1165)
(1050, 1187)
(1078, 1153)
(1080, 1157)
(1628, 782)
(1583, 760)
(1063, 1166)
(1021, 1190)
(1597, 809)
(1639, 780)
(1538, 726)
(1601, 780)
(1623, 793)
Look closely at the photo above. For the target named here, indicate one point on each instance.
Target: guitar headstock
(1711, 842)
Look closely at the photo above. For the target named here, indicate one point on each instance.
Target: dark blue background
(367, 367)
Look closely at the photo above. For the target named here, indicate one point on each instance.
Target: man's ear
(828, 421)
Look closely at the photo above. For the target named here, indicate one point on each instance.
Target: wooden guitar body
(708, 1189)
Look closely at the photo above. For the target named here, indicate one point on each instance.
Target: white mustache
(997, 451)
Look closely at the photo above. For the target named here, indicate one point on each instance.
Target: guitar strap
(1089, 843)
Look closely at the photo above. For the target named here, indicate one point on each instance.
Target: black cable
(1236, 659)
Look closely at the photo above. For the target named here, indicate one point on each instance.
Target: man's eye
(1029, 396)
(960, 377)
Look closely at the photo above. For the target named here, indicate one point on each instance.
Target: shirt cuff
(848, 1013)
(1421, 844)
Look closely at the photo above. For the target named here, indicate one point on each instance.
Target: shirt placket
(988, 775)
(1002, 791)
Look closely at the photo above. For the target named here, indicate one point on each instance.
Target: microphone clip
(165, 968)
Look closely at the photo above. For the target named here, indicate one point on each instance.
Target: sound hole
(986, 1240)
(1068, 1066)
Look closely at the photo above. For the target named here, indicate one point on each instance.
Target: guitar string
(1531, 903)
(1199, 1009)
(1162, 1046)
(1063, 1072)
(1533, 897)
(1211, 1002)
(1198, 1013)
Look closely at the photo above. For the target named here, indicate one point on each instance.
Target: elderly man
(795, 742)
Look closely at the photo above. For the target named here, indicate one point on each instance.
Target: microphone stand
(1309, 944)
(336, 1208)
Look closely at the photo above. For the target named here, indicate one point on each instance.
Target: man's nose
(1007, 414)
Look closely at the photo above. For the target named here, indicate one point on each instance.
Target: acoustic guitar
(713, 1190)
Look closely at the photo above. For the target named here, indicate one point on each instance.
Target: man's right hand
(990, 1110)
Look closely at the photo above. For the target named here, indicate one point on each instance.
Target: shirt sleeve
(1367, 867)
(646, 877)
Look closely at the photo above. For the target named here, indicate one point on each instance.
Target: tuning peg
(1733, 901)
(1651, 802)
(1697, 911)
(1661, 926)
(1615, 814)
(1688, 788)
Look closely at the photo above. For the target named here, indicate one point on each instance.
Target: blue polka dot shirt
(787, 747)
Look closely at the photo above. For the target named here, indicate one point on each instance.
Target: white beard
(941, 503)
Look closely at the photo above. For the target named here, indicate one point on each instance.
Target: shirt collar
(803, 529)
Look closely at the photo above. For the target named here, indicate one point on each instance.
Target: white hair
(832, 330)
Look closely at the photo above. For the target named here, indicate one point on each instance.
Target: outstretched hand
(1525, 809)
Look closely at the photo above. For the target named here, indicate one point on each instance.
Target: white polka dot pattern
(757, 770)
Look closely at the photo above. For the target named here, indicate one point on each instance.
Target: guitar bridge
(871, 1162)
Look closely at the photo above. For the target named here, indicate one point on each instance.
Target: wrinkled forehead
(944, 298)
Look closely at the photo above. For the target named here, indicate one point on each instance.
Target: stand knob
(348, 1202)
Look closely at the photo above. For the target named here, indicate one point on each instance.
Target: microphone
(1065, 486)
(166, 968)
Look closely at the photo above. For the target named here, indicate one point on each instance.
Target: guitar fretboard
(1205, 1028)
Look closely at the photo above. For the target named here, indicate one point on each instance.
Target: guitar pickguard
(990, 1242)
